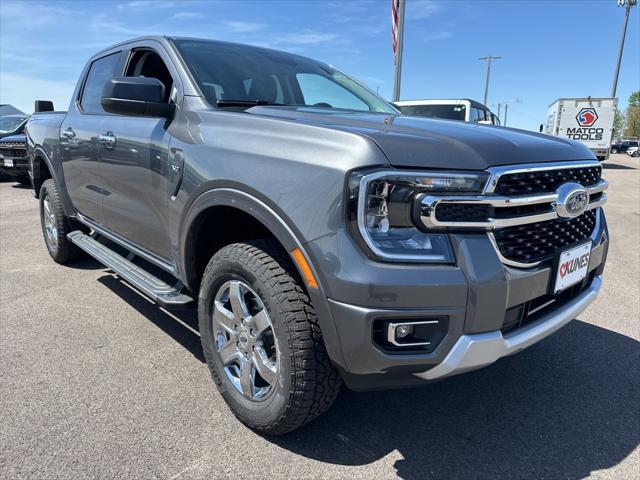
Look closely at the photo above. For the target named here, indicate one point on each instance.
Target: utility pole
(398, 30)
(486, 83)
(506, 104)
(628, 4)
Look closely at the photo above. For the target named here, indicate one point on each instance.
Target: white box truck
(587, 120)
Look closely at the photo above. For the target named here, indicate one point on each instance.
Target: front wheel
(261, 339)
(614, 150)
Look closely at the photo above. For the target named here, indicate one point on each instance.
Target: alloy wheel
(50, 224)
(244, 339)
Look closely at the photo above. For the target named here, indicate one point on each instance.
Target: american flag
(395, 6)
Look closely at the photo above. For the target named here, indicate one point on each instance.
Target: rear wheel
(56, 225)
(614, 150)
(261, 339)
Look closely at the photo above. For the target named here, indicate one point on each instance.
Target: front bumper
(475, 351)
(474, 296)
(18, 170)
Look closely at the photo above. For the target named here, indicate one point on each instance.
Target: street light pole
(486, 83)
(628, 4)
(399, 47)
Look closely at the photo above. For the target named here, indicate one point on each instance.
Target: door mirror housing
(43, 106)
(138, 96)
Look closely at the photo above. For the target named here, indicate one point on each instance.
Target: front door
(134, 158)
(135, 165)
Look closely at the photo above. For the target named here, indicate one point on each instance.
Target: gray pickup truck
(323, 236)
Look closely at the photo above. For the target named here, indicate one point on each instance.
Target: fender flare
(38, 152)
(56, 175)
(281, 230)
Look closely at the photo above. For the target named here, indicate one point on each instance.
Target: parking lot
(97, 382)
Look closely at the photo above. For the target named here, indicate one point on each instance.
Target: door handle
(108, 139)
(69, 133)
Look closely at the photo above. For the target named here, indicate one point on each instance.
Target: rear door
(79, 140)
(134, 155)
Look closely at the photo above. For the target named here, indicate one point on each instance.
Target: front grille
(13, 152)
(462, 212)
(546, 181)
(536, 242)
(521, 214)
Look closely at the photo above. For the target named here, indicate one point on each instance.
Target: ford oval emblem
(573, 200)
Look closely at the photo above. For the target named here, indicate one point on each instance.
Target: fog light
(415, 333)
(403, 331)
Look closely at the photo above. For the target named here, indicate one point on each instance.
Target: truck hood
(422, 142)
(19, 138)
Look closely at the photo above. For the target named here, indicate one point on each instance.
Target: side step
(165, 295)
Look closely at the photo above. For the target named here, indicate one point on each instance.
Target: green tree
(632, 116)
(618, 125)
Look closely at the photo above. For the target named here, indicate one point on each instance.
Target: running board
(162, 293)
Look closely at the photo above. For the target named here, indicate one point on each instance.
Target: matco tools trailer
(587, 120)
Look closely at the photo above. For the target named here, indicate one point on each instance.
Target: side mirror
(139, 96)
(43, 106)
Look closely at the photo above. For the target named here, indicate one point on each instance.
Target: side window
(476, 115)
(100, 71)
(147, 63)
(318, 90)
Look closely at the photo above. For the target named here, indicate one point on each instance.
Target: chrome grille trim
(497, 172)
(430, 203)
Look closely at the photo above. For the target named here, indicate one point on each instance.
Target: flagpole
(398, 77)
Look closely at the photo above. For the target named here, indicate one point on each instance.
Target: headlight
(381, 212)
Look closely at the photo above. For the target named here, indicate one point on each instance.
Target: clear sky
(549, 49)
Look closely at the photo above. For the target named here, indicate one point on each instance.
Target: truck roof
(582, 99)
(166, 40)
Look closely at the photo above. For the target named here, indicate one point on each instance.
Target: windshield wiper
(244, 103)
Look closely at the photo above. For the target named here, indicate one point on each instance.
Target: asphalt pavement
(97, 382)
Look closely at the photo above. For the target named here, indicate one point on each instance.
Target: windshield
(229, 74)
(9, 124)
(448, 112)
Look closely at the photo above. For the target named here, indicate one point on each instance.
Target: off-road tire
(63, 251)
(307, 382)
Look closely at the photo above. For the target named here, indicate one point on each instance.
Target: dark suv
(323, 236)
(13, 147)
(622, 147)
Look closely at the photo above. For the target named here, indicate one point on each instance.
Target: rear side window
(101, 71)
(447, 112)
